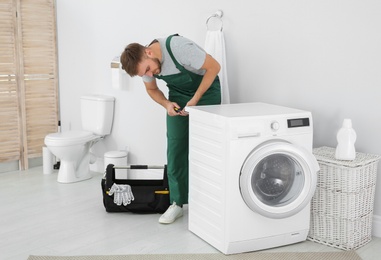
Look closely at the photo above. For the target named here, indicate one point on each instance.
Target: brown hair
(131, 57)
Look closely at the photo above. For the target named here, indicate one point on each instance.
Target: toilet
(73, 147)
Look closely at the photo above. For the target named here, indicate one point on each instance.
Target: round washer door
(278, 179)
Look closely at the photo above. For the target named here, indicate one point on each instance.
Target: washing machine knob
(275, 126)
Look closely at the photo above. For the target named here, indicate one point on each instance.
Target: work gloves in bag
(122, 194)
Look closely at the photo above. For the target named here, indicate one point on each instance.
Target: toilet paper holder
(115, 63)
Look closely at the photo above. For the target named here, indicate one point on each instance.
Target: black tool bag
(150, 196)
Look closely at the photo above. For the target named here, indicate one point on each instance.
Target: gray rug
(345, 255)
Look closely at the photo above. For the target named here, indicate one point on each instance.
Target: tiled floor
(40, 216)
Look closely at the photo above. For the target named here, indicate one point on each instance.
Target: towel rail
(218, 14)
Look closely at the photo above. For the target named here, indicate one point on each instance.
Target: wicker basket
(346, 176)
(342, 206)
(339, 232)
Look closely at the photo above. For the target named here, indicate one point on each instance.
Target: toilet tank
(97, 113)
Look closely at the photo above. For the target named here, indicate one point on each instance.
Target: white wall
(321, 55)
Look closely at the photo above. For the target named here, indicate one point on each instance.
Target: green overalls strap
(182, 87)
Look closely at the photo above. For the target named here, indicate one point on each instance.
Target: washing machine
(252, 175)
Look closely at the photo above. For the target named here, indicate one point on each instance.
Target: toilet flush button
(274, 126)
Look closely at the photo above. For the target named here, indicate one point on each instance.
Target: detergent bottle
(346, 138)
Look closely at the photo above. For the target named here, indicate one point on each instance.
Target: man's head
(131, 57)
(138, 60)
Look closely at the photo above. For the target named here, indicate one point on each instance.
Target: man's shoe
(172, 213)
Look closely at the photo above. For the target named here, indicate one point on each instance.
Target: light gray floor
(39, 216)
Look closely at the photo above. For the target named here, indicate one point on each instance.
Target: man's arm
(158, 96)
(211, 67)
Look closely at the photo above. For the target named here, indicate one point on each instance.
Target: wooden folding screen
(28, 78)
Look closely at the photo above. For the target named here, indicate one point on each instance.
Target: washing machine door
(278, 179)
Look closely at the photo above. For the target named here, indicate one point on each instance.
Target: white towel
(215, 46)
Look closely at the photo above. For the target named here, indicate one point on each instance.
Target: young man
(191, 77)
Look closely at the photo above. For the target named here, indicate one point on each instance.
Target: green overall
(182, 87)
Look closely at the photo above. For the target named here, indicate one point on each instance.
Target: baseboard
(376, 230)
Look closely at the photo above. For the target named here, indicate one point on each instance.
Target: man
(191, 77)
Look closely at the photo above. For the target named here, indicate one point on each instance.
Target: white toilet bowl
(73, 147)
(73, 150)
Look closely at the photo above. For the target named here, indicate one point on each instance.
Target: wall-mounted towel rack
(218, 14)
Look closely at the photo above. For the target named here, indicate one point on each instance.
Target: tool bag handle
(138, 167)
(110, 172)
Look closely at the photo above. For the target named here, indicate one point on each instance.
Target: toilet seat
(69, 138)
